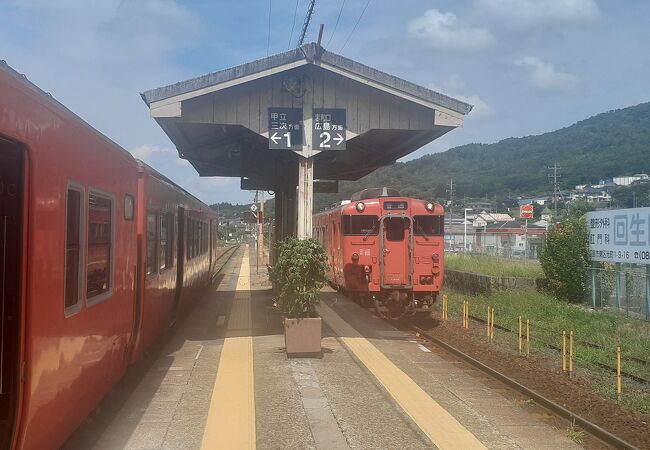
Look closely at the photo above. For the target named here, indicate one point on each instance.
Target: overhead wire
(336, 24)
(355, 26)
(293, 24)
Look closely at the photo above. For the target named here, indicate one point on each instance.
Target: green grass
(549, 317)
(493, 265)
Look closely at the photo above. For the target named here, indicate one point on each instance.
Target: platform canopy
(220, 122)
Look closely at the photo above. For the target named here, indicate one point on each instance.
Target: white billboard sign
(620, 235)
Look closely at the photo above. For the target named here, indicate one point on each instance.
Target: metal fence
(623, 288)
(507, 245)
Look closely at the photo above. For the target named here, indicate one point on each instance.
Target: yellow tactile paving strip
(440, 427)
(231, 418)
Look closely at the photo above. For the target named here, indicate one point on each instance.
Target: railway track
(557, 409)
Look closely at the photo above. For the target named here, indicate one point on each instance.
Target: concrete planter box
(302, 336)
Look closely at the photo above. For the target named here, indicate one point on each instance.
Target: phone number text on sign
(620, 235)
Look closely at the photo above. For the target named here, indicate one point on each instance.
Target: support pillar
(306, 170)
(305, 196)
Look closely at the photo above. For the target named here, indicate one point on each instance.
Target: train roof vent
(375, 193)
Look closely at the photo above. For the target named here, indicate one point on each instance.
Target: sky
(527, 66)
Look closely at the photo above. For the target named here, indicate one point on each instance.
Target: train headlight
(355, 257)
(429, 206)
(360, 206)
(435, 257)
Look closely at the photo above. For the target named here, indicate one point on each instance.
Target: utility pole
(451, 198)
(556, 186)
(260, 232)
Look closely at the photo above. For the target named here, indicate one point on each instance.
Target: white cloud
(440, 31)
(526, 13)
(480, 109)
(454, 86)
(147, 152)
(545, 77)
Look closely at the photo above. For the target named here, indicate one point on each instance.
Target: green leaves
(565, 259)
(299, 275)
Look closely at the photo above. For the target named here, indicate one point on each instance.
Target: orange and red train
(99, 256)
(385, 249)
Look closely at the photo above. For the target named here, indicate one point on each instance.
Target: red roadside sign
(526, 211)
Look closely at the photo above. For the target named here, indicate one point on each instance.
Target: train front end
(393, 251)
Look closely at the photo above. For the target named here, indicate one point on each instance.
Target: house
(627, 180)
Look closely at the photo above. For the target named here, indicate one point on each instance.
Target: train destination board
(620, 235)
(329, 129)
(285, 128)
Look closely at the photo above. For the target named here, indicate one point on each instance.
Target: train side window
(73, 254)
(129, 207)
(100, 246)
(166, 239)
(429, 225)
(152, 247)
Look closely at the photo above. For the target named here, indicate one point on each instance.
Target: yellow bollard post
(464, 309)
(446, 307)
(527, 337)
(618, 373)
(492, 326)
(467, 316)
(519, 336)
(488, 322)
(571, 354)
(564, 351)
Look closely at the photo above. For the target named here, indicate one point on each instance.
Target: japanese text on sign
(329, 129)
(285, 128)
(621, 235)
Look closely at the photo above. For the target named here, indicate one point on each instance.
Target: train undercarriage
(393, 304)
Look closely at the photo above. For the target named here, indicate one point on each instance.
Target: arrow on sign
(275, 138)
(339, 139)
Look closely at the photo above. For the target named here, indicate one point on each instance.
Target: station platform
(222, 380)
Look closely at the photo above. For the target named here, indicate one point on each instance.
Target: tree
(565, 259)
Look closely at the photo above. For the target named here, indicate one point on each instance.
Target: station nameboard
(620, 235)
(285, 128)
(329, 129)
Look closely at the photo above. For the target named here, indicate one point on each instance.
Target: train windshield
(429, 225)
(360, 225)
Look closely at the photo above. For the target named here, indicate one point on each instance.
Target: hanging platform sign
(620, 235)
(285, 128)
(329, 129)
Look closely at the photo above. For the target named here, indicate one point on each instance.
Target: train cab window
(394, 228)
(73, 230)
(360, 225)
(166, 239)
(429, 225)
(100, 243)
(152, 247)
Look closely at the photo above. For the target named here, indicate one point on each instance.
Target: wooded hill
(601, 147)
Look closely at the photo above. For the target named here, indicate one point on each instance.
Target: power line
(305, 25)
(268, 39)
(293, 24)
(336, 24)
(355, 26)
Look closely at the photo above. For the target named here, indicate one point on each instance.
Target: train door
(180, 259)
(396, 249)
(11, 201)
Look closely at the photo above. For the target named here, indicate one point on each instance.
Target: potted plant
(298, 276)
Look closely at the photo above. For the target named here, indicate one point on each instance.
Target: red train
(100, 254)
(386, 249)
